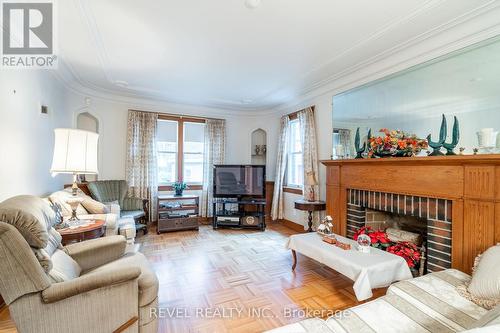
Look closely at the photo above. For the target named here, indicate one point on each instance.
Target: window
(194, 135)
(167, 145)
(295, 169)
(180, 144)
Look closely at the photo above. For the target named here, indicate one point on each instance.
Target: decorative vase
(178, 192)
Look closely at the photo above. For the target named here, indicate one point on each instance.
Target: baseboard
(292, 225)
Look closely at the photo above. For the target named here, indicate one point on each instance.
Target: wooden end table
(310, 206)
(83, 233)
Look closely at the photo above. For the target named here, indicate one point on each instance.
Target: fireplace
(429, 217)
(458, 196)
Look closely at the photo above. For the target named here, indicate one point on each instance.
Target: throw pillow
(484, 287)
(61, 198)
(93, 206)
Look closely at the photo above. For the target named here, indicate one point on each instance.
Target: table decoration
(364, 243)
(378, 238)
(395, 143)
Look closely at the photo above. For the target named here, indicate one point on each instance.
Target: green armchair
(116, 190)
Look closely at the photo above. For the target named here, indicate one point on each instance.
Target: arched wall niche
(259, 147)
(88, 122)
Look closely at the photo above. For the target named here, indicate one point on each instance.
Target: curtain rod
(177, 115)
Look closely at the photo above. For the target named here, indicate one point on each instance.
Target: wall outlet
(44, 109)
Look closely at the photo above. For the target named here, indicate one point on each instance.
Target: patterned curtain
(214, 153)
(345, 141)
(277, 211)
(310, 154)
(141, 164)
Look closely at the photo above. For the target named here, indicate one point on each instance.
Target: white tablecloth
(376, 269)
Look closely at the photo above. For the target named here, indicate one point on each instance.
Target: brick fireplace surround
(435, 213)
(458, 196)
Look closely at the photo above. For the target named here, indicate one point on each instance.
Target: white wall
(112, 117)
(26, 135)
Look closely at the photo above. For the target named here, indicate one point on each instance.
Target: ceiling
(221, 54)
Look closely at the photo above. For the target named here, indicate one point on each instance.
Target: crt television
(236, 181)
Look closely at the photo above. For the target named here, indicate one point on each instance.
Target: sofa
(90, 209)
(91, 286)
(430, 303)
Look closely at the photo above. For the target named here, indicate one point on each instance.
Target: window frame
(180, 148)
(289, 153)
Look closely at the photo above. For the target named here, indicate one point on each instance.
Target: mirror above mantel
(465, 84)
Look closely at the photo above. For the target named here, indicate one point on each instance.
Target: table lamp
(310, 182)
(75, 152)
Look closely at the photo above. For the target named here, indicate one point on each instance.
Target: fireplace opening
(428, 218)
(401, 228)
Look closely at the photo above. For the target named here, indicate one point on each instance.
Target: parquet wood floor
(236, 281)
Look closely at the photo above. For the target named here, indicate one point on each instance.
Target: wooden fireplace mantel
(471, 182)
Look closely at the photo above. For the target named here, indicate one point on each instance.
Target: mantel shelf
(421, 160)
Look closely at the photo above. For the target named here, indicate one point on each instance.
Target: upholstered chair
(108, 191)
(92, 286)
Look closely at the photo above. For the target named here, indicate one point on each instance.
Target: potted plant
(409, 252)
(179, 187)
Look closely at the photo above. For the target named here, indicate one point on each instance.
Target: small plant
(179, 187)
(408, 251)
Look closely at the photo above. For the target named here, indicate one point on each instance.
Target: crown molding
(70, 82)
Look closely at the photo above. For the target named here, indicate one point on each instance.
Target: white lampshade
(75, 151)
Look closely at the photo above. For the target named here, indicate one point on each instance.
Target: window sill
(294, 190)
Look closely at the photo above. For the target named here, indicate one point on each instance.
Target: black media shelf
(250, 214)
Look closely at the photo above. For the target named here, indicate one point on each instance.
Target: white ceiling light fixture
(252, 4)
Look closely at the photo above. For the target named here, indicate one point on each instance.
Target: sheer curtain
(309, 149)
(141, 164)
(277, 211)
(214, 153)
(310, 154)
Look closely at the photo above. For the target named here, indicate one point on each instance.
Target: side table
(310, 206)
(83, 233)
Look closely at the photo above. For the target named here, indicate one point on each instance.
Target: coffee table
(376, 269)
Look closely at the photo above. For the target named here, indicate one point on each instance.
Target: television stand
(241, 213)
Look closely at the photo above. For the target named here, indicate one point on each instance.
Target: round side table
(310, 206)
(83, 233)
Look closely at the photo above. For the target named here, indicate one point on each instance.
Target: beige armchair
(93, 286)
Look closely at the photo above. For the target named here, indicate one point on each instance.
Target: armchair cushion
(88, 282)
(133, 204)
(135, 214)
(64, 268)
(31, 216)
(96, 252)
(148, 282)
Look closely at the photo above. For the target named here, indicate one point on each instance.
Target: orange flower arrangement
(395, 143)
